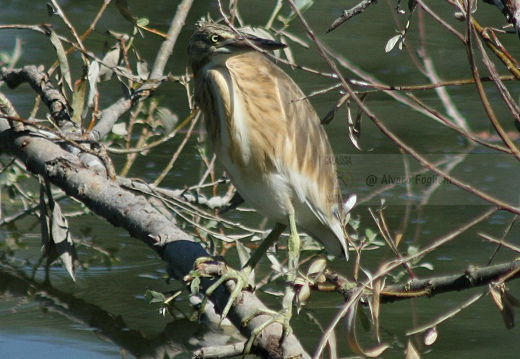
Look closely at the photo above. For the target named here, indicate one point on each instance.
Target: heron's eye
(214, 38)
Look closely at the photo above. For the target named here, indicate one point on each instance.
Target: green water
(62, 326)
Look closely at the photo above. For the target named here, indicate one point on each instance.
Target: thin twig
(482, 93)
(391, 135)
(170, 164)
(359, 290)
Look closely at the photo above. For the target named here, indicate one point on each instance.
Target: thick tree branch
(134, 213)
(40, 83)
(428, 287)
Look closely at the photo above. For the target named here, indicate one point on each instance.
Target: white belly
(268, 193)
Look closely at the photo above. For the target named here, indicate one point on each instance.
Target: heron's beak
(243, 43)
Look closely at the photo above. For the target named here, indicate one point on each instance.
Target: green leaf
(395, 40)
(142, 22)
(142, 69)
(244, 253)
(195, 286)
(154, 297)
(370, 234)
(119, 129)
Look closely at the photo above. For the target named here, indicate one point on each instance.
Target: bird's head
(215, 43)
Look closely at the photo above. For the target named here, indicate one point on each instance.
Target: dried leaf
(93, 74)
(317, 267)
(78, 100)
(330, 115)
(351, 338)
(349, 203)
(142, 69)
(503, 304)
(430, 336)
(352, 132)
(397, 239)
(58, 243)
(62, 58)
(354, 125)
(50, 10)
(167, 118)
(287, 52)
(44, 218)
(110, 61)
(411, 352)
(375, 306)
(497, 297)
(63, 243)
(303, 290)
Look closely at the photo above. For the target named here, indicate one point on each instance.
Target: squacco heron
(270, 141)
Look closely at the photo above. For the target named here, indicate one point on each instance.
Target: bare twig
(170, 164)
(440, 20)
(347, 14)
(167, 46)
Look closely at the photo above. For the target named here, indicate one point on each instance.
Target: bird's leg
(284, 316)
(293, 256)
(241, 277)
